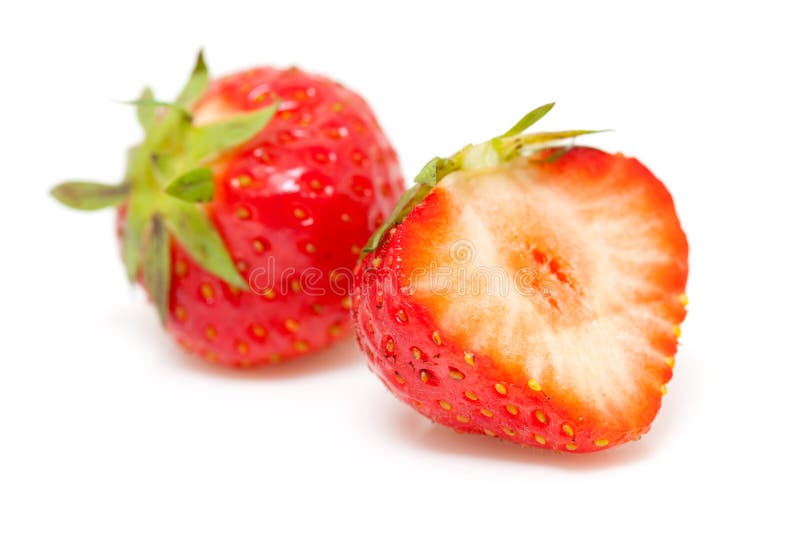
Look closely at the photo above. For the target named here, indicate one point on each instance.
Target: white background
(107, 427)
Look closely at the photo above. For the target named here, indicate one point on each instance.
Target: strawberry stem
(166, 179)
(496, 151)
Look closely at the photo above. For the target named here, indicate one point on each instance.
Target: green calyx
(166, 181)
(505, 147)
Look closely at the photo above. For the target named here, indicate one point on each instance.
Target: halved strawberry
(529, 292)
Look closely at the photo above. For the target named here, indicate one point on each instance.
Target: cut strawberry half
(547, 291)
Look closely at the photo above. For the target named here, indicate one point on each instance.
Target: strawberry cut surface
(536, 300)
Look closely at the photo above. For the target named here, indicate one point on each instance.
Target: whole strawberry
(528, 291)
(248, 198)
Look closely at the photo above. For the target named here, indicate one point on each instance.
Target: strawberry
(247, 197)
(528, 291)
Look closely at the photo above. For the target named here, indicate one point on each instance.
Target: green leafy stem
(167, 180)
(505, 147)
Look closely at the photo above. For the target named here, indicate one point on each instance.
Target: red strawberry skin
(437, 352)
(305, 193)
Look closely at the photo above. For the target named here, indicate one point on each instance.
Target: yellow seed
(211, 333)
(424, 376)
(311, 248)
(684, 299)
(534, 385)
(670, 361)
(245, 363)
(357, 156)
(486, 412)
(242, 181)
(445, 405)
(601, 442)
(469, 358)
(345, 217)
(389, 346)
(242, 213)
(677, 331)
(455, 374)
(539, 439)
(334, 330)
(299, 213)
(471, 395)
(211, 355)
(376, 262)
(291, 325)
(401, 316)
(181, 268)
(436, 337)
(347, 303)
(275, 358)
(180, 313)
(513, 410)
(355, 249)
(399, 379)
(258, 245)
(315, 184)
(570, 446)
(508, 431)
(416, 353)
(663, 389)
(207, 291)
(300, 345)
(242, 347)
(336, 107)
(501, 388)
(541, 416)
(489, 433)
(258, 330)
(317, 308)
(295, 286)
(462, 418)
(269, 294)
(567, 430)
